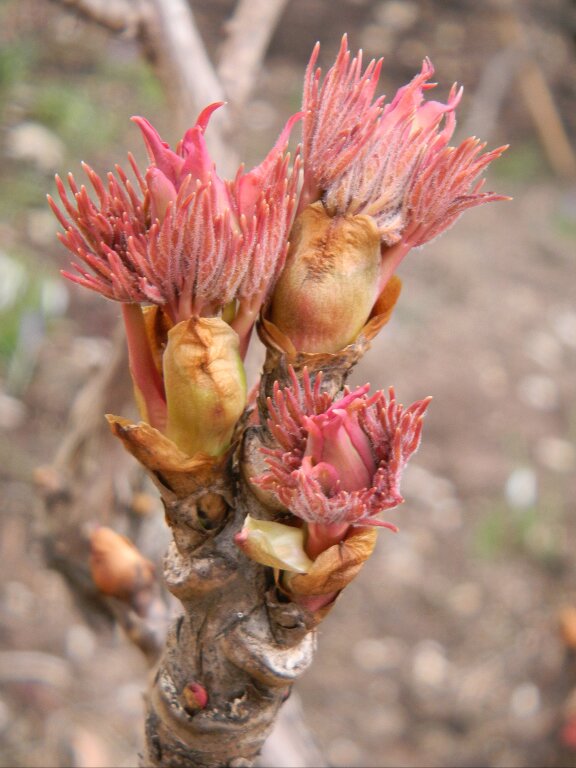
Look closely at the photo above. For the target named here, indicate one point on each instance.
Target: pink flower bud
(195, 697)
(338, 464)
(338, 448)
(387, 161)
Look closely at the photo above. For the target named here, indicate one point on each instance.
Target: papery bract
(274, 544)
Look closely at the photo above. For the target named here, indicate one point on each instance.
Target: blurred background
(455, 646)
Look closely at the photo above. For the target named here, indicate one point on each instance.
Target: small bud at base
(195, 697)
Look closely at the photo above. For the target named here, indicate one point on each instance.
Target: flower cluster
(338, 463)
(312, 245)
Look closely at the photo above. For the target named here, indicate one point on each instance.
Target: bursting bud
(330, 283)
(205, 385)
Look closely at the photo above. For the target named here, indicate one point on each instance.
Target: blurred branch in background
(516, 63)
(249, 31)
(186, 71)
(538, 97)
(124, 16)
(170, 37)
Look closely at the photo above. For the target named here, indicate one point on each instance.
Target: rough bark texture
(231, 641)
(239, 637)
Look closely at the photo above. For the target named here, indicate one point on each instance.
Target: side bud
(118, 569)
(330, 283)
(205, 385)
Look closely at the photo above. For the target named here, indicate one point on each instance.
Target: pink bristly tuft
(389, 161)
(340, 117)
(187, 240)
(306, 488)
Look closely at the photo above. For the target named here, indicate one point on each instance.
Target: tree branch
(124, 16)
(535, 91)
(189, 75)
(250, 30)
(80, 488)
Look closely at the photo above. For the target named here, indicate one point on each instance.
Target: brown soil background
(446, 651)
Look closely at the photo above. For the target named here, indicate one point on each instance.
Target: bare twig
(125, 16)
(250, 30)
(189, 74)
(79, 488)
(537, 95)
(169, 32)
(109, 389)
(495, 82)
(239, 641)
(183, 43)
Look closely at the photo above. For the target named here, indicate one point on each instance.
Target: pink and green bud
(189, 381)
(183, 239)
